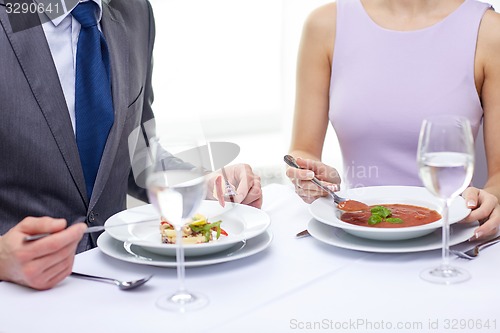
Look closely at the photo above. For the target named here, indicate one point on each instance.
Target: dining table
(292, 285)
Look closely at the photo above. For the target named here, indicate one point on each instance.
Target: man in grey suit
(42, 183)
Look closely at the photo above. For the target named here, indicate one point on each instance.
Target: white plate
(339, 238)
(240, 221)
(137, 255)
(324, 211)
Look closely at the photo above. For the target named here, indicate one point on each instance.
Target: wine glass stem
(179, 251)
(446, 235)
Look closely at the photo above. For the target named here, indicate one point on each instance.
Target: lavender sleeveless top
(385, 82)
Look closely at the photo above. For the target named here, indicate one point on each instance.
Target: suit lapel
(41, 74)
(115, 33)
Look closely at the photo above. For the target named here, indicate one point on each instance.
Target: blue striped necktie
(94, 114)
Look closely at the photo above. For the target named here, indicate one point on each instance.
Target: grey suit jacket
(40, 170)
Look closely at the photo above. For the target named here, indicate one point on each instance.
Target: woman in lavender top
(375, 69)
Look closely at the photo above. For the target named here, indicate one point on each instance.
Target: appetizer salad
(199, 230)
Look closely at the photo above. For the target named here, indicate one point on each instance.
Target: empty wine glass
(446, 161)
(176, 188)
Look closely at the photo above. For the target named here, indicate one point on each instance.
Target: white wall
(230, 65)
(220, 61)
(226, 69)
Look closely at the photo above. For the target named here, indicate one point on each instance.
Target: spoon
(342, 203)
(123, 285)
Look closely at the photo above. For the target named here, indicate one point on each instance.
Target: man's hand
(244, 182)
(43, 263)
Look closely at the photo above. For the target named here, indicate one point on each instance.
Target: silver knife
(303, 233)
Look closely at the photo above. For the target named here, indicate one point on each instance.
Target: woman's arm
(485, 203)
(312, 103)
(313, 83)
(489, 41)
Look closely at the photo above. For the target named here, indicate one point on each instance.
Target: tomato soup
(400, 216)
(352, 206)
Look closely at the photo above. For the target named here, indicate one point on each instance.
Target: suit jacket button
(92, 217)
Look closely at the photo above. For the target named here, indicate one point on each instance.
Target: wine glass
(176, 188)
(446, 161)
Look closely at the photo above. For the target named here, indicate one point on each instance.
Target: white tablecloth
(296, 285)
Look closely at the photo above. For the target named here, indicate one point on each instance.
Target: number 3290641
(31, 8)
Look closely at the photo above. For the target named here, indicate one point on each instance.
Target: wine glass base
(445, 275)
(182, 301)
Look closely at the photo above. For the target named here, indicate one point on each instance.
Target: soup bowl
(324, 211)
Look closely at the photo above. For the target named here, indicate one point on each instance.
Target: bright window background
(226, 70)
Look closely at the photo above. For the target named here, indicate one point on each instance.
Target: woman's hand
(485, 209)
(243, 180)
(43, 263)
(301, 178)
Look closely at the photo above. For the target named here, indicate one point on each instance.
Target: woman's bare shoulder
(322, 19)
(488, 44)
(325, 12)
(489, 31)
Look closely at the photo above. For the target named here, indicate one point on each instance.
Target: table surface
(295, 285)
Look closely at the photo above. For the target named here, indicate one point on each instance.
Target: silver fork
(89, 230)
(290, 160)
(474, 252)
(229, 191)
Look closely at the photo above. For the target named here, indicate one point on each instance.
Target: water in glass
(176, 188)
(446, 161)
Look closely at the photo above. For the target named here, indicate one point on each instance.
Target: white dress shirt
(62, 36)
